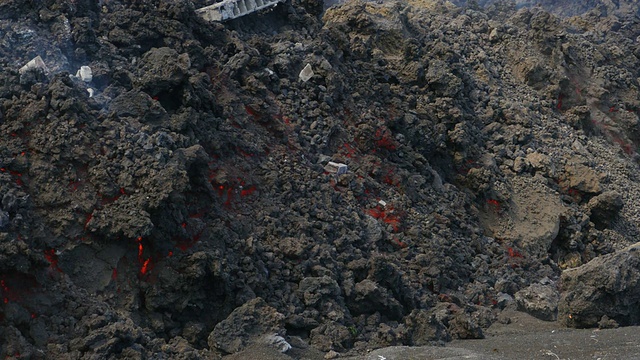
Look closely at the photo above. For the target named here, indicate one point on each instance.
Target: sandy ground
(529, 338)
(524, 338)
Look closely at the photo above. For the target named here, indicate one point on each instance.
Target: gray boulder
(371, 297)
(246, 325)
(161, 69)
(605, 208)
(539, 300)
(606, 286)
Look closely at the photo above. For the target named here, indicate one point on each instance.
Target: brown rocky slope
(184, 210)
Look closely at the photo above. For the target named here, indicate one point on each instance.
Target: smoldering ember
(313, 180)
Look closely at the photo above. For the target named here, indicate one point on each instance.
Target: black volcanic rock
(177, 205)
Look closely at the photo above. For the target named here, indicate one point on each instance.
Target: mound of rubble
(318, 181)
(565, 8)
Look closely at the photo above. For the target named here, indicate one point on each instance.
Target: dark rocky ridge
(189, 192)
(566, 8)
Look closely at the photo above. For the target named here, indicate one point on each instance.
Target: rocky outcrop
(526, 214)
(607, 287)
(539, 300)
(604, 208)
(245, 325)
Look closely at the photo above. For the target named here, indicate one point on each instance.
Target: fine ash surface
(183, 211)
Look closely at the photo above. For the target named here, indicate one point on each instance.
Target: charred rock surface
(176, 204)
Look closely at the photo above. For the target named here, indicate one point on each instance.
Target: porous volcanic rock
(245, 325)
(539, 300)
(604, 287)
(487, 148)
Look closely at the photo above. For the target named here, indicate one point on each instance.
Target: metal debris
(336, 168)
(231, 9)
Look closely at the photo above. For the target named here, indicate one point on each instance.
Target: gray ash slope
(184, 211)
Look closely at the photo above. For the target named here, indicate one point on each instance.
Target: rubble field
(314, 181)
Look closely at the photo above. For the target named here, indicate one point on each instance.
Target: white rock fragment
(35, 63)
(336, 168)
(90, 91)
(494, 35)
(298, 47)
(278, 342)
(382, 203)
(85, 74)
(306, 73)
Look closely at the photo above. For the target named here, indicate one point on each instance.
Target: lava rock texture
(177, 204)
